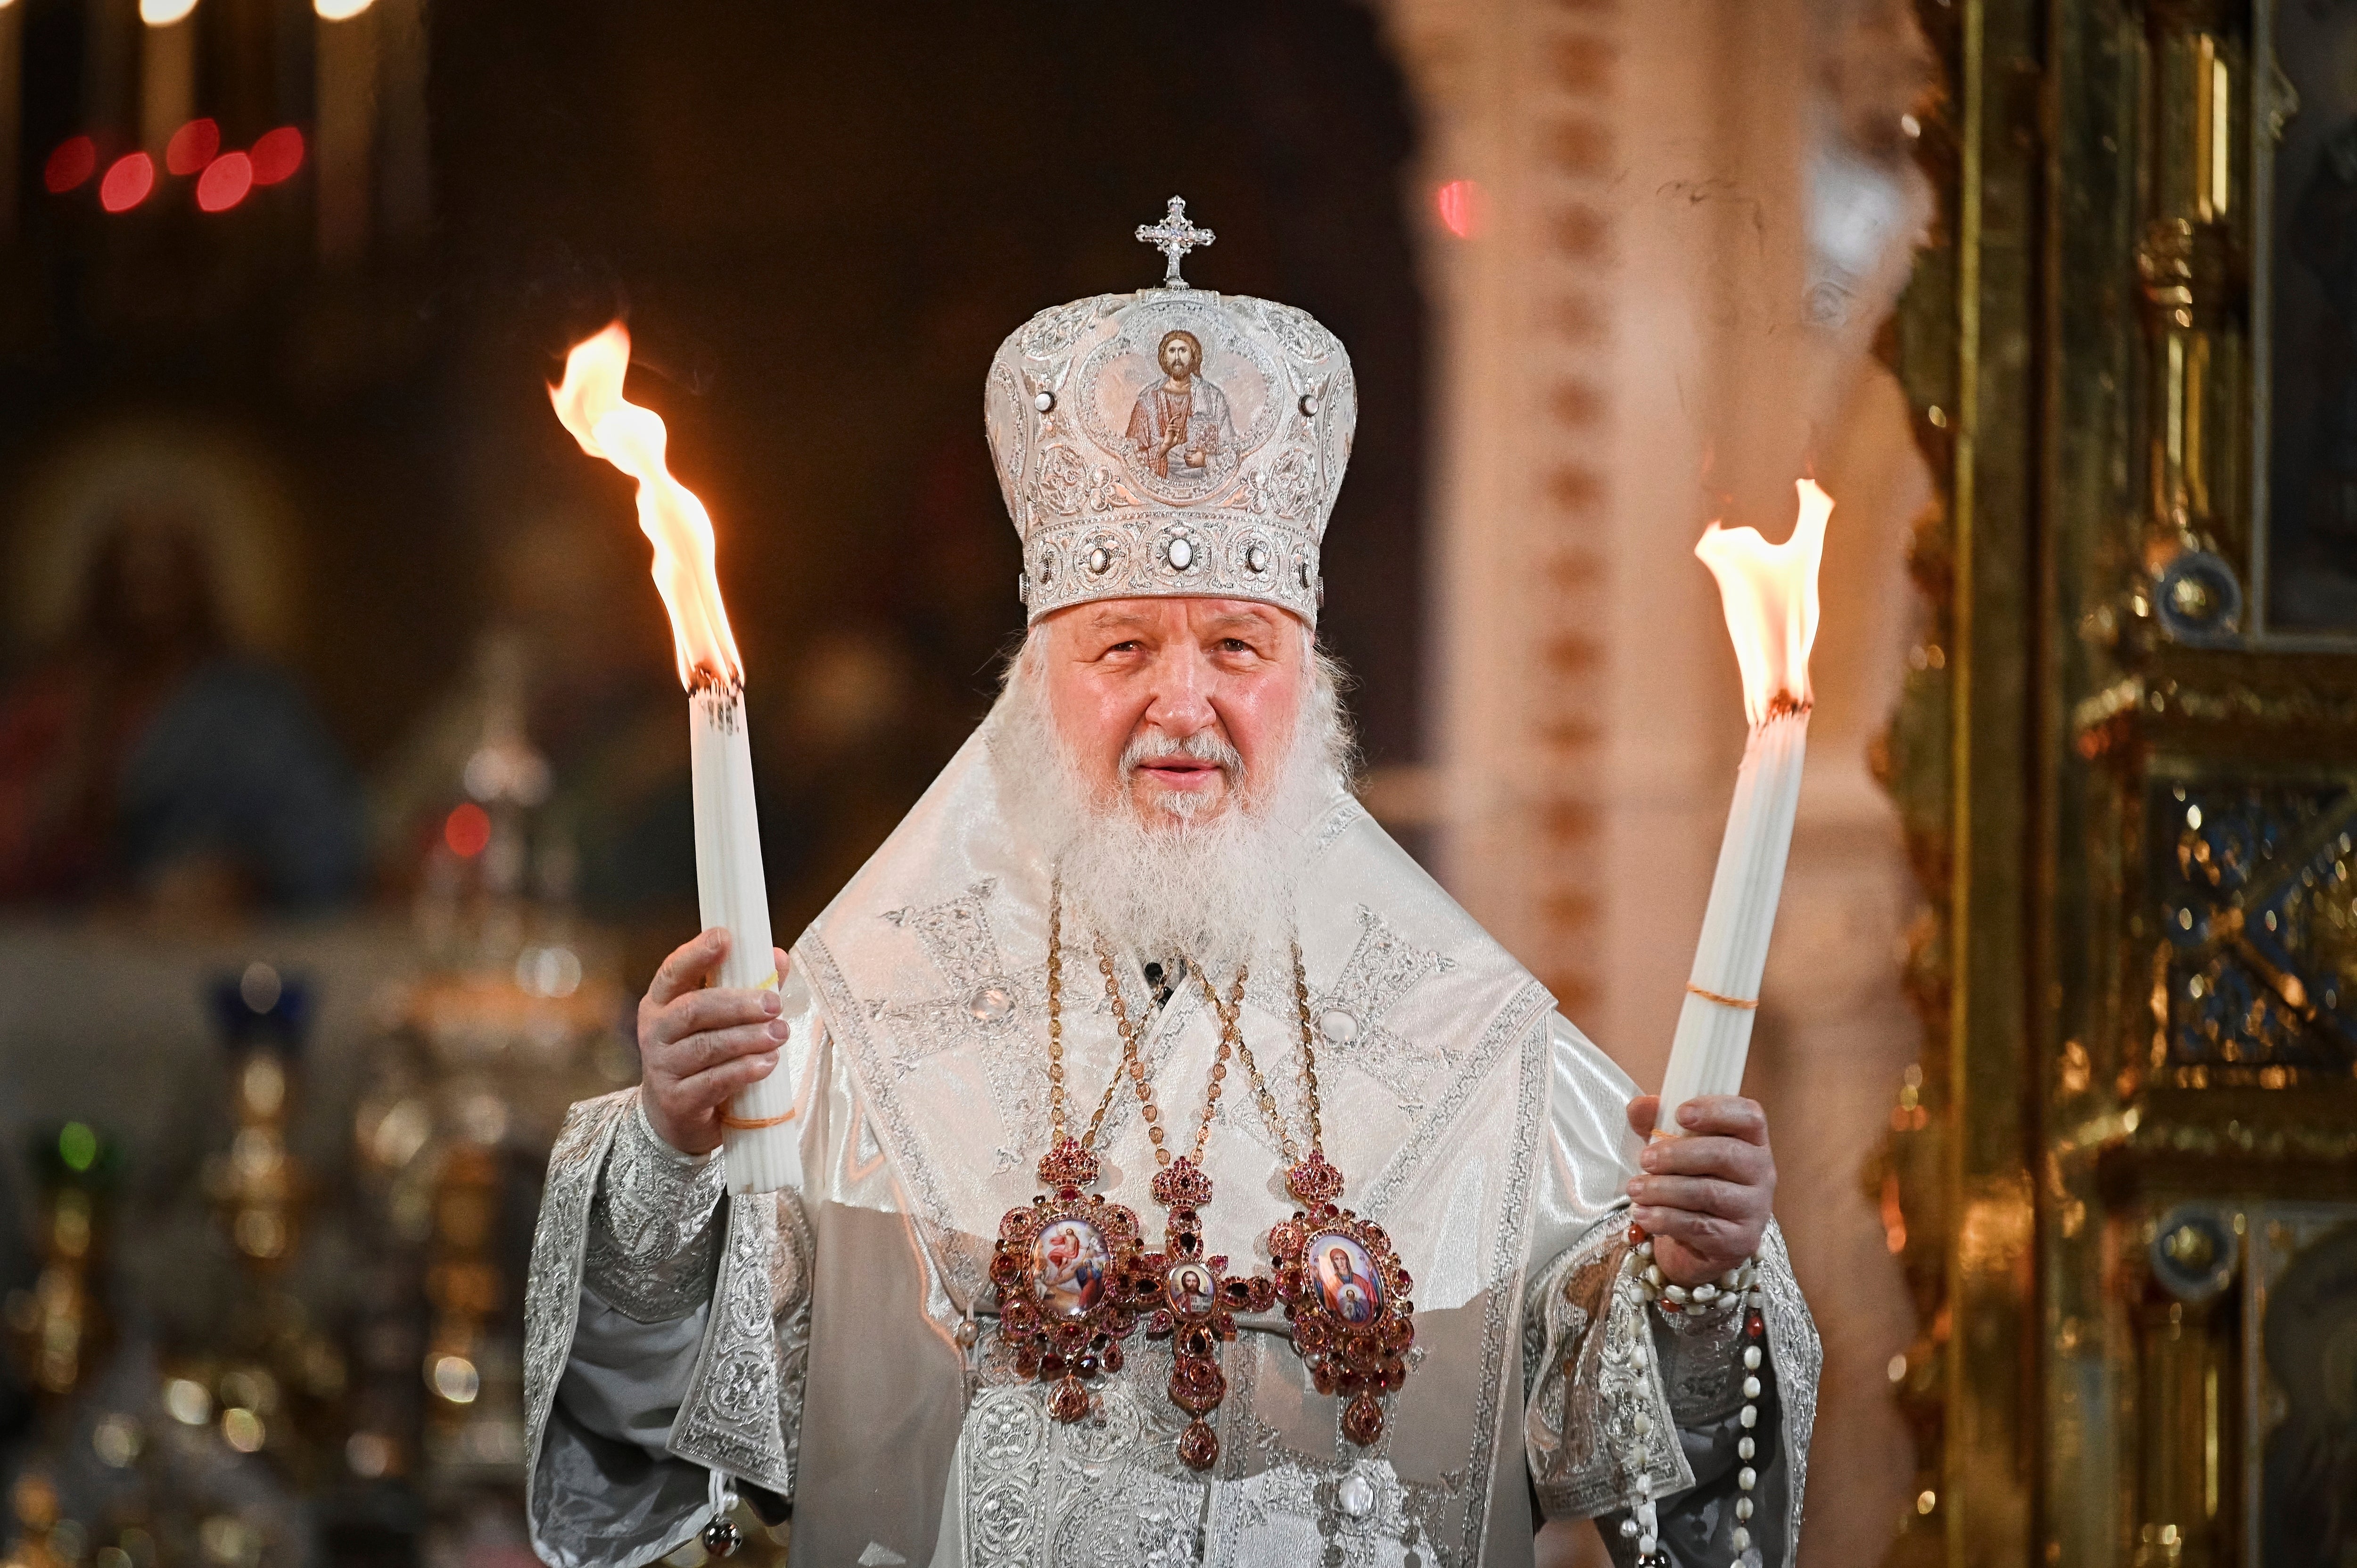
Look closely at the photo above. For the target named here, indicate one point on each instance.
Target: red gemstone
(1110, 1356)
(1363, 1421)
(1196, 1385)
(1199, 1446)
(1070, 1401)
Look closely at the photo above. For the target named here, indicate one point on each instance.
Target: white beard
(1171, 879)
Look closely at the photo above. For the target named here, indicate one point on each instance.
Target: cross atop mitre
(1174, 237)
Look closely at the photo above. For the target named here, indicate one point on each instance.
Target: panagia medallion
(1063, 1263)
(1347, 1298)
(1061, 1266)
(1343, 1288)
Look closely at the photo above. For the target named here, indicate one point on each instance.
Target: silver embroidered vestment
(809, 1343)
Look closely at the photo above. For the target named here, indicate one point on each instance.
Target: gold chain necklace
(1190, 1297)
(1064, 1261)
(1073, 1277)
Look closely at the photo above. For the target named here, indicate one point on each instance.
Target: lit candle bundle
(758, 1136)
(1770, 594)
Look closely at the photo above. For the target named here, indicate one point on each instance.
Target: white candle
(760, 1133)
(1714, 1036)
(1770, 595)
(731, 893)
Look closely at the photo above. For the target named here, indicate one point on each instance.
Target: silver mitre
(1170, 442)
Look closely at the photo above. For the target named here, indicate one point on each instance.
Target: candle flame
(590, 403)
(1770, 594)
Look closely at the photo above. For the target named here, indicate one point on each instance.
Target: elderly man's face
(1178, 359)
(1159, 672)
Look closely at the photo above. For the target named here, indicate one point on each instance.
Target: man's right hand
(698, 1048)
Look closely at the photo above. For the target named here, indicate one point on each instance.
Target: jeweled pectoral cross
(1193, 1299)
(1174, 237)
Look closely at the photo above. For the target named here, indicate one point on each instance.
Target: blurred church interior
(343, 802)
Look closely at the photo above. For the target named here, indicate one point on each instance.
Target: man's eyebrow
(1257, 621)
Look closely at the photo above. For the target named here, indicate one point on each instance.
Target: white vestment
(809, 1344)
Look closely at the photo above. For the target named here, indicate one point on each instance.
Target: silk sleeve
(1612, 1389)
(666, 1336)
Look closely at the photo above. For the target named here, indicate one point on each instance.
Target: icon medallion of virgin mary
(1347, 1297)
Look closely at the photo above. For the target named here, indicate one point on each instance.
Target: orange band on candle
(1723, 1001)
(741, 1125)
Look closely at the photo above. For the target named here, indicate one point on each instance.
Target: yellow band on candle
(1723, 1001)
(741, 1124)
(767, 983)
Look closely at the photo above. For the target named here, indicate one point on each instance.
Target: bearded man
(1138, 970)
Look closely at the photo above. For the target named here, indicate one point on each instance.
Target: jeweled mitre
(1170, 442)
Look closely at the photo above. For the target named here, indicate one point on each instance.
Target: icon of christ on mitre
(1181, 1177)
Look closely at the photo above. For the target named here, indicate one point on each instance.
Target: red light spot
(75, 160)
(1460, 205)
(192, 147)
(128, 180)
(468, 830)
(276, 154)
(225, 182)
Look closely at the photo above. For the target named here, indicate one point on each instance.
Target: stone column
(1662, 315)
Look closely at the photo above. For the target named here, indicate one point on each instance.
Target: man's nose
(1182, 698)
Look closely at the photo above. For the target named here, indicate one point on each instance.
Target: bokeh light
(75, 160)
(340, 10)
(1460, 205)
(78, 1146)
(468, 830)
(278, 155)
(192, 147)
(128, 180)
(225, 182)
(164, 13)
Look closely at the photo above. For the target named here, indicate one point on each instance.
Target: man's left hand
(1704, 1195)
